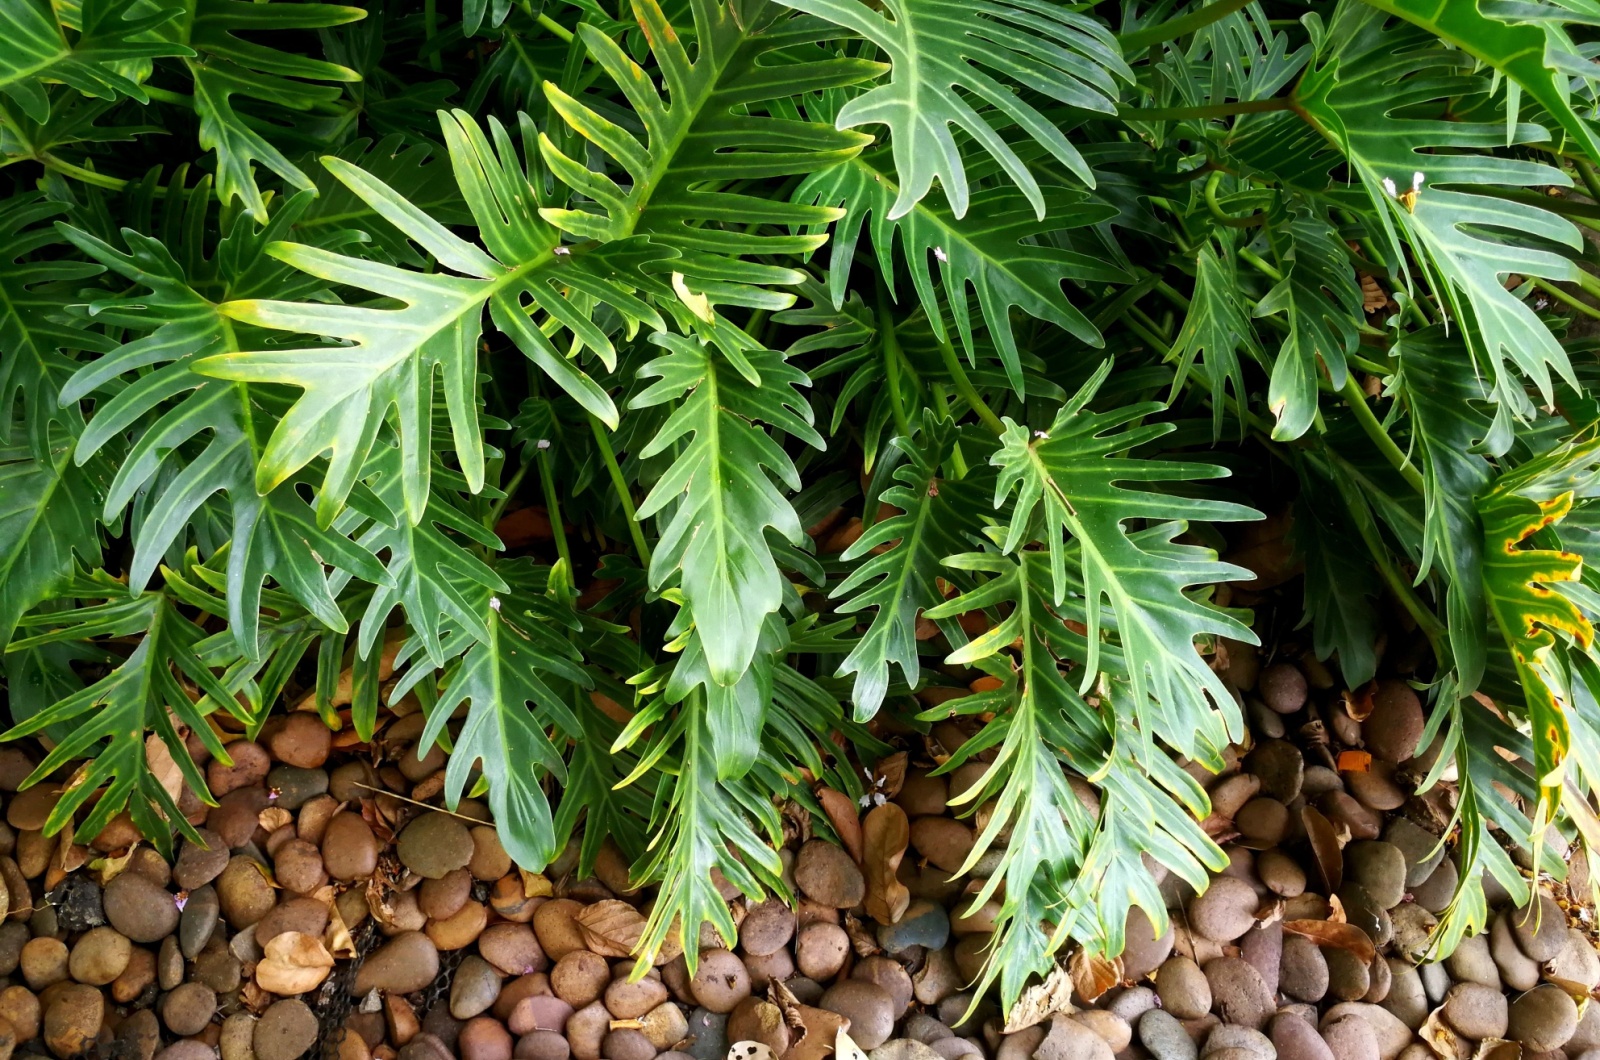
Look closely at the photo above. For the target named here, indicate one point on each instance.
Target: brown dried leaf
(862, 939)
(1093, 975)
(1346, 937)
(336, 939)
(889, 776)
(108, 869)
(162, 766)
(885, 834)
(1439, 1036)
(1359, 704)
(274, 817)
(611, 928)
(535, 884)
(1498, 1049)
(819, 1029)
(842, 814)
(1325, 849)
(294, 963)
(1041, 1001)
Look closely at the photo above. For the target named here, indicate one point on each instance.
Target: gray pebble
(1543, 1019)
(1421, 849)
(1476, 1011)
(1165, 1037)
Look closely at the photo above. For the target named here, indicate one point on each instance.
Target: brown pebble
(72, 1020)
(286, 1031)
(820, 950)
(187, 1009)
(827, 875)
(303, 741)
(443, 898)
(721, 981)
(99, 956)
(580, 978)
(243, 893)
(489, 858)
(297, 866)
(461, 930)
(349, 849)
(556, 926)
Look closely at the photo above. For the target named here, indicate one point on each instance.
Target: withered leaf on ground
(843, 815)
(294, 963)
(1041, 1001)
(889, 775)
(1340, 936)
(1325, 849)
(885, 834)
(611, 928)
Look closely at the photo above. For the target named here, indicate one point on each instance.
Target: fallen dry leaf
(294, 964)
(842, 814)
(535, 884)
(274, 817)
(889, 775)
(885, 834)
(1346, 937)
(336, 939)
(611, 928)
(1325, 849)
(1041, 1001)
(846, 1047)
(1092, 975)
(1498, 1049)
(1439, 1036)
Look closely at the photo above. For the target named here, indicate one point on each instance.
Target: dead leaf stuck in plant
(1041, 1001)
(1091, 974)
(885, 835)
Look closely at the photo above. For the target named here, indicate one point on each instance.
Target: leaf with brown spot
(841, 811)
(1346, 937)
(611, 928)
(1092, 975)
(886, 833)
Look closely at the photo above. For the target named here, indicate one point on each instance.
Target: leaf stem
(552, 504)
(1561, 296)
(1587, 174)
(1173, 28)
(88, 176)
(162, 95)
(1357, 400)
(620, 485)
(1207, 110)
(891, 360)
(498, 508)
(1221, 215)
(554, 27)
(1262, 266)
(430, 24)
(964, 387)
